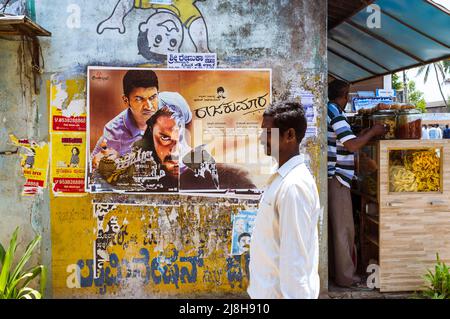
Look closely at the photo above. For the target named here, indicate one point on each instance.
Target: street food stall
(404, 195)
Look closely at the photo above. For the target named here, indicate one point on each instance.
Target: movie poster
(171, 131)
(34, 163)
(68, 163)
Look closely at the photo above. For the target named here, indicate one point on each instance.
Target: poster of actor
(151, 130)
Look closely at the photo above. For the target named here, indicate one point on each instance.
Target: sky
(430, 88)
(444, 3)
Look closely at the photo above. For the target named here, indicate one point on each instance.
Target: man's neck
(339, 105)
(284, 159)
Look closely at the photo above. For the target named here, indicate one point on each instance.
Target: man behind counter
(342, 143)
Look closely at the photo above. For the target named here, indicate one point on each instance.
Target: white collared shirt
(284, 249)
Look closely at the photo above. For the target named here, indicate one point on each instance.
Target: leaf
(25, 257)
(43, 279)
(2, 253)
(9, 256)
(29, 293)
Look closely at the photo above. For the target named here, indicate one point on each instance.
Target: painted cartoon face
(161, 34)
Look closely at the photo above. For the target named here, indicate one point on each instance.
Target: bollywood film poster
(171, 131)
(34, 163)
(68, 163)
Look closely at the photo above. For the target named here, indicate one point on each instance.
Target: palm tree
(442, 68)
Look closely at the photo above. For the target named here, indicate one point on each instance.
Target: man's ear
(290, 135)
(125, 99)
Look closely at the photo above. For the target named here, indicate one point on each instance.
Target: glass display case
(367, 170)
(415, 170)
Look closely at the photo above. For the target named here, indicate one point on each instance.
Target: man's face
(244, 243)
(270, 135)
(143, 103)
(240, 225)
(165, 139)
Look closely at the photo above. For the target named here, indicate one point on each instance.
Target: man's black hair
(288, 115)
(446, 126)
(139, 79)
(220, 89)
(243, 235)
(337, 88)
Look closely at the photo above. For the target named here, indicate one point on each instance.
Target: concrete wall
(287, 36)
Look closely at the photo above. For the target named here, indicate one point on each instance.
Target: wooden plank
(27, 26)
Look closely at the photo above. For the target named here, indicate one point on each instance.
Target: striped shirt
(341, 162)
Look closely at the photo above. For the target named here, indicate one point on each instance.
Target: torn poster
(34, 163)
(68, 105)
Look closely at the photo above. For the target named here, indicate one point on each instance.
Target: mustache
(171, 158)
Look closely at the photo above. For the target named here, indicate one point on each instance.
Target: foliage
(438, 283)
(421, 105)
(397, 84)
(14, 282)
(414, 95)
(441, 68)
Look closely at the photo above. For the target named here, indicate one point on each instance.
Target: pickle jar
(386, 118)
(409, 124)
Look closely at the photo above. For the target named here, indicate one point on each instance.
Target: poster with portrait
(172, 131)
(243, 223)
(68, 163)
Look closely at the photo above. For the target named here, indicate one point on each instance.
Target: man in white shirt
(439, 132)
(433, 133)
(425, 135)
(284, 250)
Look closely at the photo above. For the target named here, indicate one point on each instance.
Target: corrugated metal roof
(411, 33)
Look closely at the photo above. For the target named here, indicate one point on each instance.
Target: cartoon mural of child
(163, 32)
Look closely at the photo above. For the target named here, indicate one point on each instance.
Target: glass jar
(409, 124)
(386, 118)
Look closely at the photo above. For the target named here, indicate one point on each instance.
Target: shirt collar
(129, 123)
(290, 165)
(337, 106)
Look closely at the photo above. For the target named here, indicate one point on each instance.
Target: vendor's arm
(356, 143)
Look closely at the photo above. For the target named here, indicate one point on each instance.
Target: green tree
(396, 82)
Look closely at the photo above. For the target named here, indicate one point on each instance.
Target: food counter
(404, 186)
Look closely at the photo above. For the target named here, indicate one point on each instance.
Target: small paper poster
(68, 163)
(34, 163)
(243, 223)
(192, 61)
(68, 106)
